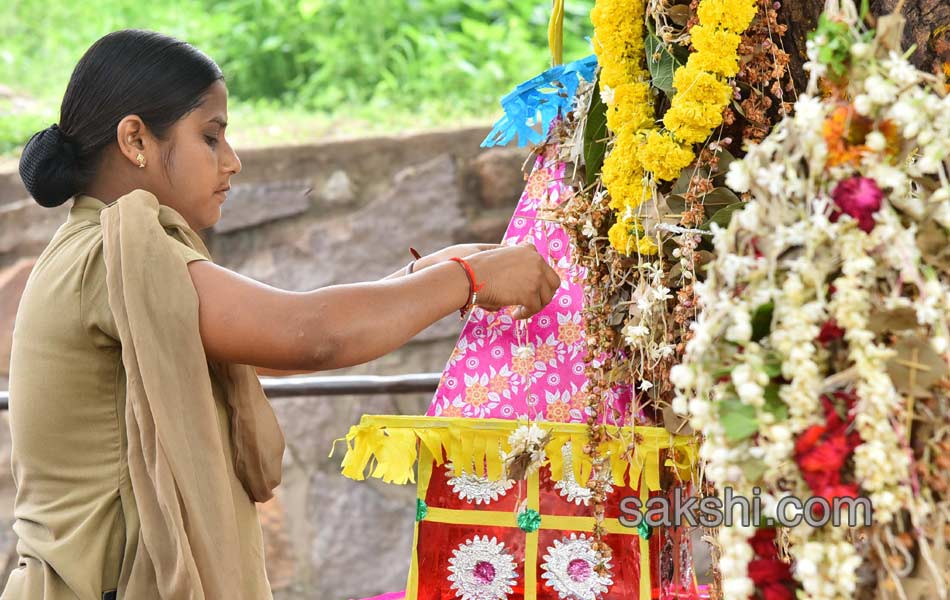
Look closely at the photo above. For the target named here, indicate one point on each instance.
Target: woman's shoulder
(66, 289)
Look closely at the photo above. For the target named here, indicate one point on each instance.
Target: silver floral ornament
(473, 488)
(482, 569)
(569, 569)
(568, 486)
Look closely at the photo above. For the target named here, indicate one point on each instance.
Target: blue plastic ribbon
(539, 100)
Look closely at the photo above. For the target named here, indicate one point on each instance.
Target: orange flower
(845, 131)
(580, 400)
(544, 353)
(569, 333)
(559, 411)
(498, 384)
(893, 137)
(452, 411)
(476, 395)
(522, 365)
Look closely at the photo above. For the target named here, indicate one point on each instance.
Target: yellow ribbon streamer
(531, 540)
(556, 33)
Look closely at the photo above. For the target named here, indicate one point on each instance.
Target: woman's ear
(133, 139)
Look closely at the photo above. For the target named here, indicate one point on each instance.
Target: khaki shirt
(75, 512)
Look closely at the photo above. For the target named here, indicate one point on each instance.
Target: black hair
(129, 72)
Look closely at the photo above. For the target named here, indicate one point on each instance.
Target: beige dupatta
(188, 545)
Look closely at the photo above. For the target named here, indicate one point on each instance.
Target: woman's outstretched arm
(246, 322)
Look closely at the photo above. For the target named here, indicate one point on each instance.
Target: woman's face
(198, 162)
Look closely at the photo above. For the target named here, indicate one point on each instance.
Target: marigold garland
(701, 90)
(625, 87)
(641, 152)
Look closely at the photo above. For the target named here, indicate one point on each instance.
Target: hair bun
(48, 167)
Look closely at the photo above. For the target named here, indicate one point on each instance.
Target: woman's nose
(233, 163)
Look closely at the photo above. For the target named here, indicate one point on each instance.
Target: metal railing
(332, 385)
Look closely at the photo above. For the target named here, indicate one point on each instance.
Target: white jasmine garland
(738, 178)
(826, 563)
(782, 258)
(880, 462)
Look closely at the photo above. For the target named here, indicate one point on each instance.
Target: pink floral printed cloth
(505, 369)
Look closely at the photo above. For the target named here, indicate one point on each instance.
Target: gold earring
(141, 160)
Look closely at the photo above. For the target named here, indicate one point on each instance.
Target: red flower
(830, 332)
(827, 456)
(859, 197)
(821, 451)
(776, 591)
(763, 543)
(768, 570)
(840, 490)
(771, 576)
(807, 440)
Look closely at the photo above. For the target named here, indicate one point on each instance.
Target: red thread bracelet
(473, 286)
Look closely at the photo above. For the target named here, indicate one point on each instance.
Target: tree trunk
(928, 26)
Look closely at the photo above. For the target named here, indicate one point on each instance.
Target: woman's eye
(212, 141)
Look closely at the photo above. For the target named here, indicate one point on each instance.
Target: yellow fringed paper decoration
(387, 447)
(578, 458)
(397, 457)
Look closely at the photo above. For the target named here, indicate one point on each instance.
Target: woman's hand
(440, 256)
(450, 252)
(514, 276)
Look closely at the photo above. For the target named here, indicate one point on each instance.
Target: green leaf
(738, 420)
(676, 203)
(725, 159)
(662, 64)
(753, 469)
(722, 216)
(774, 404)
(722, 372)
(718, 199)
(681, 185)
(679, 14)
(773, 369)
(762, 321)
(595, 135)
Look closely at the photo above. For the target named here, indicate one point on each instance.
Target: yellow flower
(697, 107)
(664, 156)
(626, 237)
(693, 83)
(715, 50)
(622, 173)
(733, 15)
(632, 107)
(618, 35)
(696, 110)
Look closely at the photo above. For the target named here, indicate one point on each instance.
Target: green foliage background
(301, 67)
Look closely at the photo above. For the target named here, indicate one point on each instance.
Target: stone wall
(299, 218)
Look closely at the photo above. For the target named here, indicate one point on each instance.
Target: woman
(141, 438)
